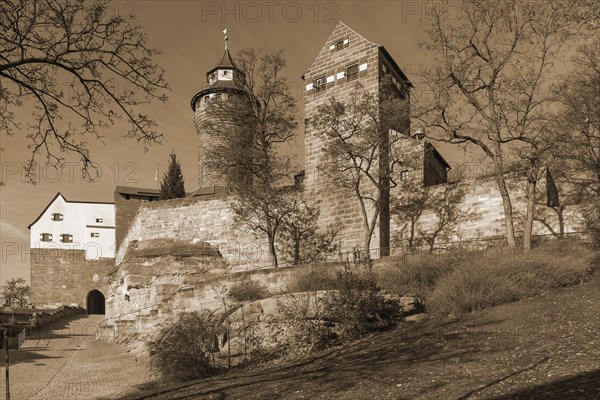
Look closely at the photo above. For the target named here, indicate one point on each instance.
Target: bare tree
(253, 125)
(444, 203)
(579, 150)
(408, 210)
(578, 153)
(79, 67)
(357, 156)
(446, 206)
(303, 240)
(491, 89)
(16, 292)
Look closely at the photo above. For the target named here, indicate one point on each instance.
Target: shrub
(313, 280)
(357, 306)
(306, 328)
(247, 290)
(183, 349)
(492, 279)
(591, 216)
(416, 276)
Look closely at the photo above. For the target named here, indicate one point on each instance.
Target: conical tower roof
(226, 62)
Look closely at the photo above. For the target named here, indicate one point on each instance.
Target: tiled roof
(137, 191)
(226, 62)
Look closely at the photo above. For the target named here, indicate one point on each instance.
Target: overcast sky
(189, 33)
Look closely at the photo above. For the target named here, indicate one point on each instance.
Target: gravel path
(66, 362)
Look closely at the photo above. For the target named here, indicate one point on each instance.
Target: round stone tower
(222, 81)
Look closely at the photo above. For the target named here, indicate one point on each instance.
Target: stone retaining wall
(207, 219)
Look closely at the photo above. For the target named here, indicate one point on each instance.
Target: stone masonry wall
(147, 292)
(207, 142)
(66, 277)
(206, 219)
(483, 200)
(337, 205)
(125, 210)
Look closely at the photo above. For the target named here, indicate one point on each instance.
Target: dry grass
(247, 290)
(416, 275)
(319, 278)
(465, 281)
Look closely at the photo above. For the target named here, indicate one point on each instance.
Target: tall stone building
(224, 80)
(347, 60)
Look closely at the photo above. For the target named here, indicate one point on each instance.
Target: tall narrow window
(403, 175)
(339, 45)
(352, 72)
(57, 217)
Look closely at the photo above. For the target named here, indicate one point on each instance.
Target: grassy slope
(545, 347)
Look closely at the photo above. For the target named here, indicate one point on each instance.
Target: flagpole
(156, 178)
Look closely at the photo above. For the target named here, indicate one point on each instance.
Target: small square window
(66, 238)
(57, 217)
(45, 237)
(403, 175)
(352, 72)
(99, 220)
(320, 84)
(95, 234)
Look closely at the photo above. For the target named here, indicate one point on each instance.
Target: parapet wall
(207, 219)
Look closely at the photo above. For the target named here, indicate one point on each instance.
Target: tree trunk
(531, 185)
(411, 236)
(507, 205)
(365, 217)
(561, 221)
(297, 240)
(272, 249)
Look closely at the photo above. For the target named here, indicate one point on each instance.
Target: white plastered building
(76, 225)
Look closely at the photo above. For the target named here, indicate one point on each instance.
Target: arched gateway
(95, 302)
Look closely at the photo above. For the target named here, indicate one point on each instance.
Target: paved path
(66, 362)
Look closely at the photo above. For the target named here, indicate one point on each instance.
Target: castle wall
(66, 276)
(483, 201)
(208, 219)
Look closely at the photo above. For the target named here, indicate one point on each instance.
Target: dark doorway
(95, 302)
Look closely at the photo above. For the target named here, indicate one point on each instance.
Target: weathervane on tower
(226, 37)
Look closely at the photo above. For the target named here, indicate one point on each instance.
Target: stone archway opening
(95, 302)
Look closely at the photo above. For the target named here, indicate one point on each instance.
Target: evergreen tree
(171, 186)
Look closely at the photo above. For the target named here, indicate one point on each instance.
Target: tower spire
(226, 36)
